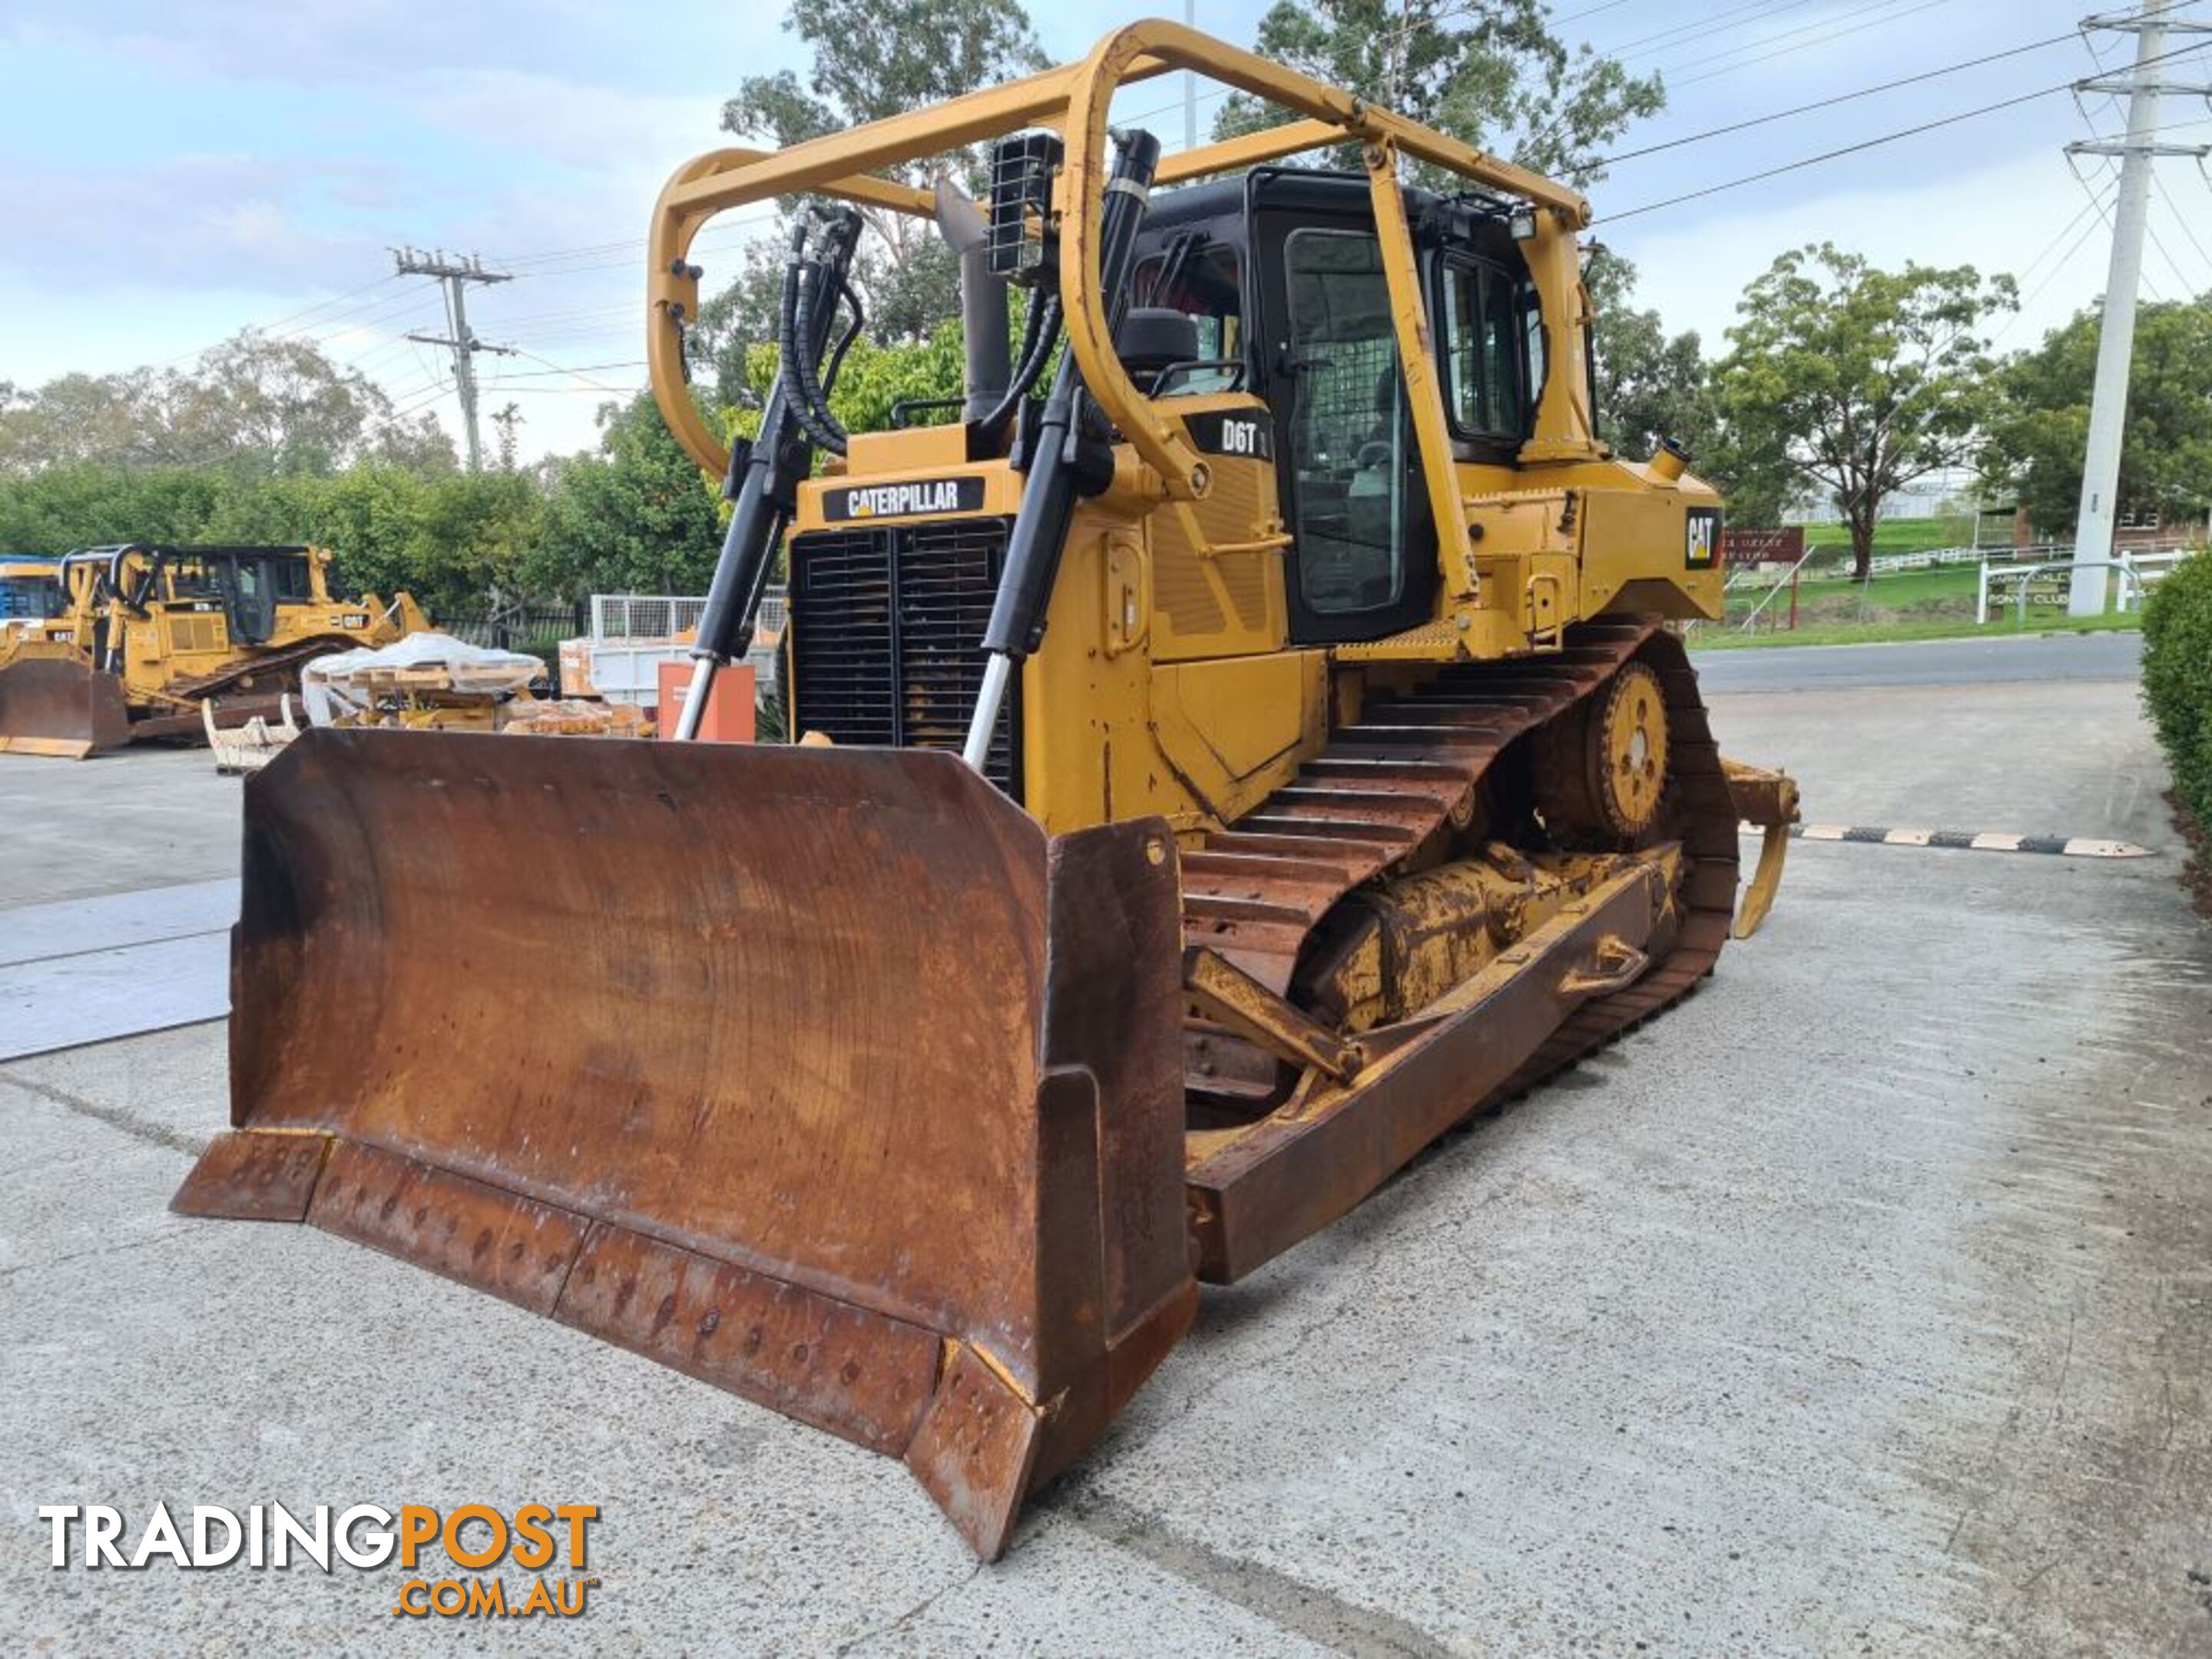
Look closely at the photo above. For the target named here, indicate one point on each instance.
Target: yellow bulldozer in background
(1240, 748)
(140, 634)
(30, 593)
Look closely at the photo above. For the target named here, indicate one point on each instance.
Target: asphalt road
(1858, 1305)
(1990, 660)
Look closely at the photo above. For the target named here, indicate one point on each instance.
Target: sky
(176, 172)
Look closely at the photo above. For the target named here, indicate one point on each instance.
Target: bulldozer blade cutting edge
(61, 707)
(823, 1075)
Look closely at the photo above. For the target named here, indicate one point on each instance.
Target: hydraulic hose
(1039, 334)
(800, 283)
(763, 481)
(1049, 496)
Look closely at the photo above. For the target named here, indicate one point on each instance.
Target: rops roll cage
(1072, 100)
(1099, 178)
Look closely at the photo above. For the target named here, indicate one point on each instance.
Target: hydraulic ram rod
(1041, 527)
(763, 489)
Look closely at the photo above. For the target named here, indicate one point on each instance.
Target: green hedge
(2177, 678)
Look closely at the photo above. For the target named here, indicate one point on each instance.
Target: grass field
(1904, 605)
(1898, 535)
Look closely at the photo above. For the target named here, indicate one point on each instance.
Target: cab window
(193, 578)
(1486, 322)
(1351, 446)
(32, 598)
(289, 573)
(1199, 278)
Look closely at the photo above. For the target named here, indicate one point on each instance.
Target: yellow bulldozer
(1246, 742)
(30, 593)
(139, 635)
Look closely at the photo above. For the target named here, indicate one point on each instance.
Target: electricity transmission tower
(2116, 335)
(455, 275)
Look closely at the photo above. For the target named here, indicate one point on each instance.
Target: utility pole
(1190, 85)
(456, 274)
(2115, 337)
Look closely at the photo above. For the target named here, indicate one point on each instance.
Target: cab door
(1362, 563)
(250, 595)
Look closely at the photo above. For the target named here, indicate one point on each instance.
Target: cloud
(565, 121)
(194, 221)
(350, 40)
(2021, 216)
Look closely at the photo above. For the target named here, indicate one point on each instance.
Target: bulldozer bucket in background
(61, 706)
(823, 1075)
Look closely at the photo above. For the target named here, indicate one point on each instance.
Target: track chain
(1386, 784)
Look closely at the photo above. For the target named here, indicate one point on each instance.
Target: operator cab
(1272, 284)
(247, 585)
(250, 583)
(30, 591)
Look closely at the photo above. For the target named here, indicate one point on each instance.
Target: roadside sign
(1782, 546)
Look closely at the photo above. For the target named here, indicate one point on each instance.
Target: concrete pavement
(151, 817)
(1856, 1306)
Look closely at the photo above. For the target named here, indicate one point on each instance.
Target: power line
(2180, 218)
(1826, 103)
(1712, 70)
(1551, 127)
(2088, 218)
(1863, 144)
(2105, 216)
(2150, 230)
(1749, 15)
(575, 373)
(578, 370)
(1641, 47)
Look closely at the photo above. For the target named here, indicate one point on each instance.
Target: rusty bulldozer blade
(1769, 801)
(823, 1075)
(63, 707)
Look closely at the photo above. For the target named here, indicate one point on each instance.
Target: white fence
(643, 616)
(663, 616)
(633, 633)
(1926, 558)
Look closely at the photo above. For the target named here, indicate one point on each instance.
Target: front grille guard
(887, 638)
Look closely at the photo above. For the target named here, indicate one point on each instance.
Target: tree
(1856, 381)
(81, 417)
(913, 53)
(2039, 439)
(470, 538)
(271, 404)
(1492, 74)
(75, 504)
(637, 517)
(1650, 386)
(510, 421)
(253, 405)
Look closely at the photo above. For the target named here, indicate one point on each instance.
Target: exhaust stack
(982, 302)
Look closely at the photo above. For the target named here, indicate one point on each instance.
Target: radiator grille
(887, 638)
